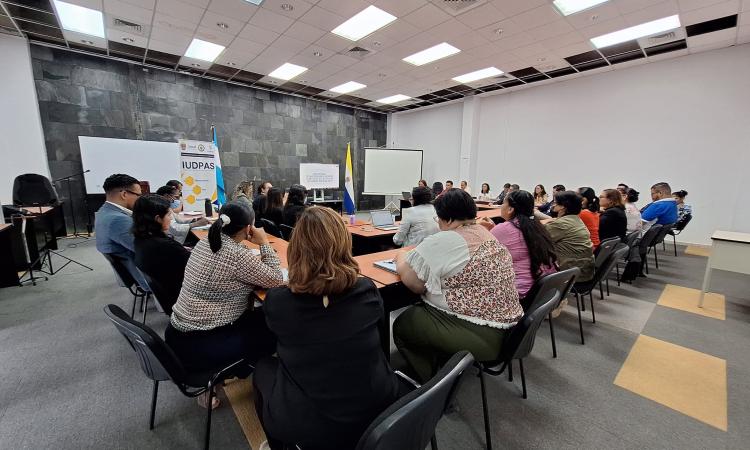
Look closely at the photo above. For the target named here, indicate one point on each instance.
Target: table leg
(706, 282)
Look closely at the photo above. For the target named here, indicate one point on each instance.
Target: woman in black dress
(612, 221)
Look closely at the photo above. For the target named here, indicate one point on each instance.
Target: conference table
(730, 251)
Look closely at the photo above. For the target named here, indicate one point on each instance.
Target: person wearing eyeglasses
(113, 221)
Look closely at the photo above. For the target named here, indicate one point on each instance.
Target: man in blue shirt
(663, 210)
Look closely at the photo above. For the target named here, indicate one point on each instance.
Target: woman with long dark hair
(526, 238)
(612, 222)
(590, 213)
(295, 204)
(540, 196)
(156, 254)
(632, 212)
(214, 321)
(273, 206)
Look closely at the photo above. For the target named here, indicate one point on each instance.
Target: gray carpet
(71, 381)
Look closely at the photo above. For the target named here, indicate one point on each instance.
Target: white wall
(685, 121)
(22, 147)
(437, 132)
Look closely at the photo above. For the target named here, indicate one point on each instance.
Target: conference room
(374, 224)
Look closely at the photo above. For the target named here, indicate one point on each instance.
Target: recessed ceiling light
(231, 63)
(364, 23)
(318, 54)
(377, 43)
(84, 41)
(541, 59)
(393, 99)
(287, 7)
(638, 31)
(196, 65)
(382, 75)
(127, 39)
(203, 50)
(499, 31)
(222, 25)
(478, 75)
(347, 87)
(431, 54)
(568, 7)
(79, 19)
(287, 71)
(255, 2)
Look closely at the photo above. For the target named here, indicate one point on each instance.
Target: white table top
(733, 236)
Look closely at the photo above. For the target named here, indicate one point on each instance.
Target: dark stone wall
(262, 135)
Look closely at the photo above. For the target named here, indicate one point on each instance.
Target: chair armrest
(225, 371)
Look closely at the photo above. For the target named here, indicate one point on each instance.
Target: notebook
(386, 264)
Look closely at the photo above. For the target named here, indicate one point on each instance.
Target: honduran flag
(221, 196)
(349, 182)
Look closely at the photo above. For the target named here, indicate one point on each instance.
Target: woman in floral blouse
(467, 283)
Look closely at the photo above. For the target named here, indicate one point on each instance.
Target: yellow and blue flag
(349, 182)
(221, 196)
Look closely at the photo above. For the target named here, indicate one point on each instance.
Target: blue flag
(221, 196)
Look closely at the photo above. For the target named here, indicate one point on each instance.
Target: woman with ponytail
(529, 243)
(590, 213)
(214, 321)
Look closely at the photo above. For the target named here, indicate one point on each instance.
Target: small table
(730, 251)
(336, 205)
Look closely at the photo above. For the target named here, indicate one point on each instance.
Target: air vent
(663, 38)
(130, 27)
(358, 52)
(456, 7)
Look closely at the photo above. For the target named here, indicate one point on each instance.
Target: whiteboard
(155, 162)
(319, 176)
(391, 171)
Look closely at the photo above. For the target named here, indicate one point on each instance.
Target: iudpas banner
(198, 174)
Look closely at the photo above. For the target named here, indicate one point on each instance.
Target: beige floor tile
(686, 299)
(698, 250)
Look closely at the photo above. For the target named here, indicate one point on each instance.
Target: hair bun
(225, 220)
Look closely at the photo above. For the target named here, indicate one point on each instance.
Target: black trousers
(247, 337)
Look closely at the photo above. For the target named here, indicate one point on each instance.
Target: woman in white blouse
(632, 212)
(419, 221)
(485, 194)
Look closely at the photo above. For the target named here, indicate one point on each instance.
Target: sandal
(203, 401)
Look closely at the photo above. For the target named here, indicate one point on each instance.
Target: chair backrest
(271, 228)
(122, 274)
(33, 189)
(286, 231)
(160, 292)
(659, 238)
(551, 289)
(616, 256)
(649, 236)
(606, 247)
(632, 239)
(156, 358)
(410, 422)
(682, 223)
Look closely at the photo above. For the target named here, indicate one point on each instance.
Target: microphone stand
(72, 206)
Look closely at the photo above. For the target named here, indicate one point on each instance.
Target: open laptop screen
(381, 218)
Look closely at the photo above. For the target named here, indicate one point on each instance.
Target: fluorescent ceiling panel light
(478, 75)
(79, 19)
(363, 23)
(568, 7)
(638, 31)
(393, 99)
(347, 87)
(255, 2)
(203, 50)
(287, 71)
(439, 51)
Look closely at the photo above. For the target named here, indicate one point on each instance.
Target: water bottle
(209, 209)
(352, 219)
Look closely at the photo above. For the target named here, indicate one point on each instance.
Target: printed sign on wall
(198, 173)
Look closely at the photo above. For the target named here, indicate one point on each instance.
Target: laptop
(382, 220)
(406, 195)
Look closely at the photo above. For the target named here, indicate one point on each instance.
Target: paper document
(386, 264)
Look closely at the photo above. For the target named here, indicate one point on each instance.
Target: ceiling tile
(270, 20)
(180, 10)
(709, 13)
(743, 35)
(211, 19)
(266, 63)
(335, 43)
(244, 46)
(529, 51)
(563, 40)
(629, 6)
(346, 8)
(125, 38)
(259, 35)
(93, 4)
(500, 29)
(515, 41)
(744, 19)
(427, 17)
(128, 12)
(240, 59)
(213, 35)
(481, 16)
(322, 18)
(712, 38)
(302, 31)
(399, 8)
(573, 49)
(537, 17)
(551, 30)
(513, 7)
(618, 23)
(601, 13)
(147, 4)
(199, 3)
(448, 29)
(298, 7)
(239, 10)
(469, 41)
(286, 43)
(689, 5)
(658, 11)
(173, 45)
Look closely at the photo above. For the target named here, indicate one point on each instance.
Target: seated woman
(295, 204)
(485, 194)
(419, 221)
(683, 209)
(570, 236)
(612, 221)
(540, 196)
(331, 377)
(243, 193)
(422, 183)
(467, 283)
(526, 239)
(437, 189)
(157, 255)
(590, 213)
(632, 213)
(214, 322)
(273, 207)
(180, 229)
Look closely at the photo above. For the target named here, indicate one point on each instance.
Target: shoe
(556, 312)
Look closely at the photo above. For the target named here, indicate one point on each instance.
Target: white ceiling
(533, 34)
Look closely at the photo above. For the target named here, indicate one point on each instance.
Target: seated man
(663, 210)
(113, 221)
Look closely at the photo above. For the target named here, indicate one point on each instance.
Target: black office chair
(519, 342)
(602, 271)
(646, 240)
(286, 231)
(159, 363)
(127, 280)
(677, 230)
(632, 240)
(271, 228)
(160, 293)
(659, 239)
(410, 422)
(544, 287)
(32, 189)
(606, 247)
